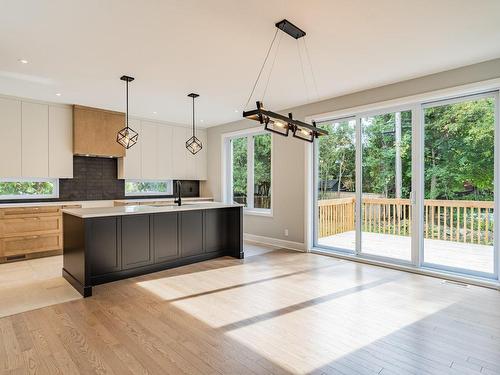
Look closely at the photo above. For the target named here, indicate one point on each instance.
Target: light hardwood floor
(276, 312)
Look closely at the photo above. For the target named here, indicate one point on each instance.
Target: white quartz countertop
(101, 203)
(86, 213)
(145, 200)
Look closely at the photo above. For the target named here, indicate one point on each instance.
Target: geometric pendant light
(127, 137)
(193, 144)
(275, 122)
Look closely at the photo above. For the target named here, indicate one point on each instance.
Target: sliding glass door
(413, 185)
(386, 141)
(459, 189)
(336, 176)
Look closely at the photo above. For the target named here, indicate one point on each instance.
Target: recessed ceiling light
(23, 61)
(236, 111)
(58, 94)
(154, 113)
(201, 120)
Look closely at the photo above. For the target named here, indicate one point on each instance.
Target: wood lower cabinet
(27, 232)
(22, 245)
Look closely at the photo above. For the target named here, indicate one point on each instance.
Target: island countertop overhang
(87, 213)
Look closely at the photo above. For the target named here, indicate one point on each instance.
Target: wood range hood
(94, 132)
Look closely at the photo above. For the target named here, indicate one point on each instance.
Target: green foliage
(337, 156)
(26, 188)
(459, 153)
(459, 150)
(239, 168)
(133, 187)
(262, 169)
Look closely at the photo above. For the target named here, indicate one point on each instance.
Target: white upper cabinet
(179, 153)
(201, 157)
(10, 128)
(149, 150)
(131, 166)
(190, 159)
(35, 140)
(161, 154)
(164, 152)
(60, 142)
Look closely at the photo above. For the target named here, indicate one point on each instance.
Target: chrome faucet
(178, 200)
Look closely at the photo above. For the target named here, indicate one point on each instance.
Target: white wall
(289, 154)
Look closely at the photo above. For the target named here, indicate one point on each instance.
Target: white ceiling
(80, 48)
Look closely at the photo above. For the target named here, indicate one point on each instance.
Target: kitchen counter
(100, 203)
(86, 213)
(167, 200)
(111, 243)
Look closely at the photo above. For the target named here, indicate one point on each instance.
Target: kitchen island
(112, 243)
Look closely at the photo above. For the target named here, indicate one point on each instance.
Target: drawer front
(29, 244)
(29, 211)
(30, 225)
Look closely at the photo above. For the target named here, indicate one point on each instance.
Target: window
(415, 184)
(143, 187)
(29, 188)
(250, 170)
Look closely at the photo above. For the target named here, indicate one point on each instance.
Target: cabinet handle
(32, 218)
(32, 237)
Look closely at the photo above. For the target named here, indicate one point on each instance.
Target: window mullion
(250, 172)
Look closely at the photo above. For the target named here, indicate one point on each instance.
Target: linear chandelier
(275, 122)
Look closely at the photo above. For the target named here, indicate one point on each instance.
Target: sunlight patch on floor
(329, 333)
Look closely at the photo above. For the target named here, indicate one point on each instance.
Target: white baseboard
(274, 242)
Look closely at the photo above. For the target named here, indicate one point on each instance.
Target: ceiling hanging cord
(312, 70)
(303, 73)
(261, 69)
(193, 117)
(272, 67)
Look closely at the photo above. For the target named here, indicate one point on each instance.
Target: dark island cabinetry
(104, 249)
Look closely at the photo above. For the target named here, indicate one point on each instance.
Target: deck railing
(448, 220)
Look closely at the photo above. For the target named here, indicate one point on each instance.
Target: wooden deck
(453, 254)
(276, 312)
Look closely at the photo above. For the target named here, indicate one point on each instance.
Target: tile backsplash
(96, 179)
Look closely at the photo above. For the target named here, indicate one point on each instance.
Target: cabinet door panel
(136, 243)
(104, 245)
(190, 159)
(10, 128)
(200, 159)
(60, 142)
(191, 233)
(165, 152)
(149, 150)
(216, 226)
(165, 241)
(35, 140)
(129, 167)
(179, 156)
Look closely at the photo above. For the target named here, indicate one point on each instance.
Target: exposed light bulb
(279, 124)
(305, 132)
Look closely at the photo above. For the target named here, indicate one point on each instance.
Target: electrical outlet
(286, 232)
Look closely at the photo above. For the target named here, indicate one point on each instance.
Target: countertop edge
(95, 203)
(128, 210)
